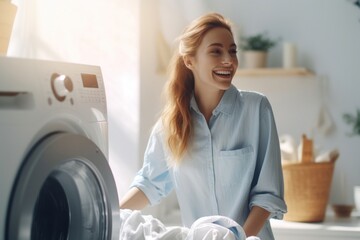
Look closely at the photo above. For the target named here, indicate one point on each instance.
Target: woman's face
(215, 61)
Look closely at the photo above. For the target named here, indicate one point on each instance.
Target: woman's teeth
(223, 73)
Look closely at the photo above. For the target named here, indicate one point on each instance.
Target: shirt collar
(226, 104)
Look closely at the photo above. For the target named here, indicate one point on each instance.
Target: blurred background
(131, 40)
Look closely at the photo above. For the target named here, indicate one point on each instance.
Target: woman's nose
(227, 59)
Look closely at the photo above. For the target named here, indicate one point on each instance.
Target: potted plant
(255, 49)
(354, 121)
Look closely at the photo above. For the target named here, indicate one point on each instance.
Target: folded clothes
(135, 226)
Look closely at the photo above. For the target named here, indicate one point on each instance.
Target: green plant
(354, 121)
(258, 42)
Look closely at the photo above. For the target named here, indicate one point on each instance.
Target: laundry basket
(307, 188)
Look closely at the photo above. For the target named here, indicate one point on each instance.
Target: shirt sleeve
(268, 184)
(154, 177)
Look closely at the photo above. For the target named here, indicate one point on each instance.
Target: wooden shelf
(258, 72)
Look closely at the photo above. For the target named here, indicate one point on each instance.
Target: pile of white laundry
(135, 226)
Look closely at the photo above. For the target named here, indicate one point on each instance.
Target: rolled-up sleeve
(154, 177)
(268, 184)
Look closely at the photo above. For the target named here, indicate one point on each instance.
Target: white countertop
(331, 228)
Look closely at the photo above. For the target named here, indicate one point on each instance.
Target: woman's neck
(207, 101)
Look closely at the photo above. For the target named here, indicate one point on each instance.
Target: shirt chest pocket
(236, 167)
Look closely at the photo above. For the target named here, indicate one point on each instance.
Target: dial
(61, 86)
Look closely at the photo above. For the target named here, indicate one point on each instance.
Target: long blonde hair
(179, 88)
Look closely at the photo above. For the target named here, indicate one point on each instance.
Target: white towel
(216, 227)
(135, 226)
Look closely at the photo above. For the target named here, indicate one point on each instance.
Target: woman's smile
(224, 74)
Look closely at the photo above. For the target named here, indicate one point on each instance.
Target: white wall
(103, 33)
(326, 34)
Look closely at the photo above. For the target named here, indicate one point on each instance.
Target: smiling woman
(214, 145)
(213, 65)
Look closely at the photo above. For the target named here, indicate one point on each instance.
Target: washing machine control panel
(75, 88)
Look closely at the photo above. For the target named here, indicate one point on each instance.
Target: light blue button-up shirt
(232, 163)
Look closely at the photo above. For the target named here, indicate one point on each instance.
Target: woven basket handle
(307, 150)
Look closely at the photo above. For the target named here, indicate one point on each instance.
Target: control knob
(61, 85)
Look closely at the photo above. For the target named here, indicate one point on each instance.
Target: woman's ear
(187, 61)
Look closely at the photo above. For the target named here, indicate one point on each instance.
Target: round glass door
(65, 190)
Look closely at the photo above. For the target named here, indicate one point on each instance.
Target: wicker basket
(307, 188)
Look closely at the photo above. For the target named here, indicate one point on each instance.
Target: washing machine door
(64, 190)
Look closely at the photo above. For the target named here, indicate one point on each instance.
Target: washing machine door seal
(64, 190)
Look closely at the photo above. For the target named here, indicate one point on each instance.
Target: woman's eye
(215, 51)
(233, 52)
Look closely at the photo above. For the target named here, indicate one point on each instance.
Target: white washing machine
(55, 181)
